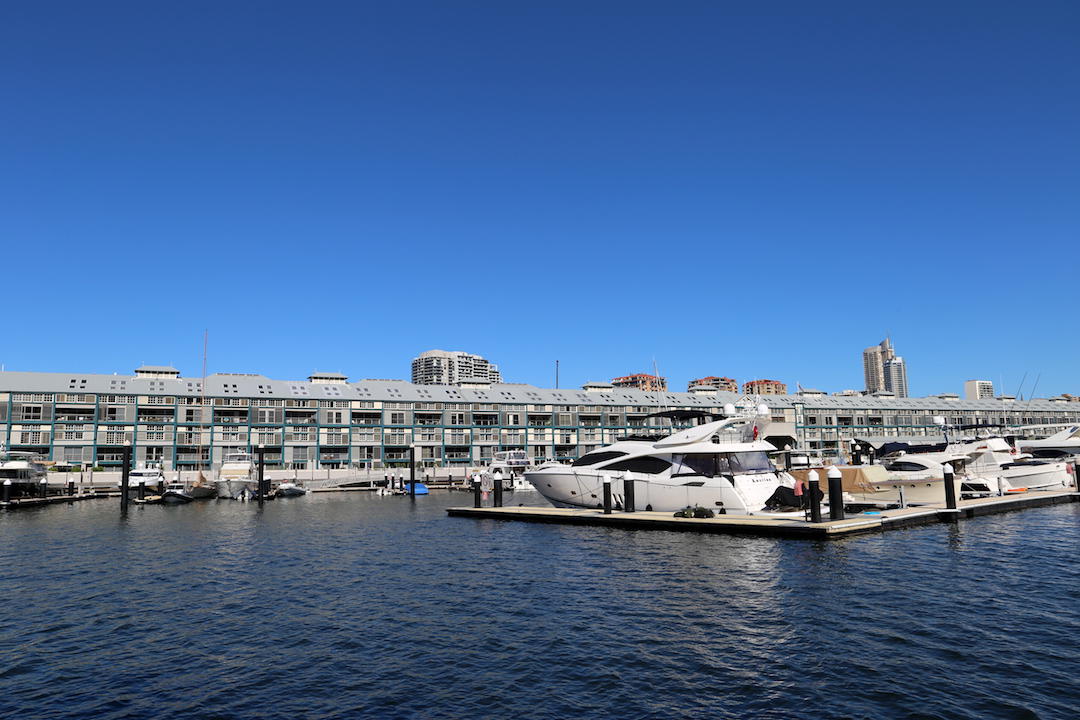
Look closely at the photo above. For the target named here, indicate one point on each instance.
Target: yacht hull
(233, 488)
(174, 497)
(563, 487)
(202, 492)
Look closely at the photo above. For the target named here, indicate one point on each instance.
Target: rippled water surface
(359, 606)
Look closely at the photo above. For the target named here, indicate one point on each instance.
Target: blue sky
(742, 189)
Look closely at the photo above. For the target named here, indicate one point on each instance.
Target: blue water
(339, 606)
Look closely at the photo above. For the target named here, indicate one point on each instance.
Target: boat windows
(902, 466)
(707, 464)
(717, 464)
(596, 457)
(744, 463)
(648, 465)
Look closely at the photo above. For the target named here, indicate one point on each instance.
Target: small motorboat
(421, 489)
(176, 493)
(289, 489)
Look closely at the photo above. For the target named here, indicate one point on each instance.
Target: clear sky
(742, 189)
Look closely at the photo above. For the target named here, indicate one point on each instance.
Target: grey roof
(157, 368)
(257, 386)
(334, 375)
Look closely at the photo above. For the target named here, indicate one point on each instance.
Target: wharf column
(125, 477)
(260, 490)
(142, 489)
(607, 495)
(628, 493)
(836, 494)
(44, 487)
(476, 492)
(71, 487)
(412, 473)
(950, 486)
(7, 491)
(814, 484)
(497, 489)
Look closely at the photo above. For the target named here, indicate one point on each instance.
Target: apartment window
(457, 418)
(31, 412)
(513, 419)
(334, 417)
(397, 418)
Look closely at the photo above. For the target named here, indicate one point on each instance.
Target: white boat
(290, 489)
(25, 471)
(1063, 445)
(1009, 471)
(722, 466)
(510, 466)
(236, 475)
(150, 476)
(175, 493)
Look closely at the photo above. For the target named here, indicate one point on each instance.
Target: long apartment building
(328, 422)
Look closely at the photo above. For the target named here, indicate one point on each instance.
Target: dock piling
(260, 489)
(71, 487)
(476, 492)
(142, 489)
(44, 487)
(125, 478)
(7, 491)
(412, 473)
(814, 484)
(836, 494)
(628, 493)
(950, 486)
(607, 495)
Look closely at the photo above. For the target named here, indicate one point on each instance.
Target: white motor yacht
(236, 475)
(150, 476)
(1064, 445)
(25, 471)
(720, 465)
(1009, 471)
(511, 466)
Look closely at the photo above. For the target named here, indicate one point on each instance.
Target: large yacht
(236, 475)
(1007, 470)
(511, 465)
(1065, 444)
(23, 469)
(721, 465)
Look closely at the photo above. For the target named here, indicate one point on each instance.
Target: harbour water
(353, 605)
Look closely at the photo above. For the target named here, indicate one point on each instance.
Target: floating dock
(771, 525)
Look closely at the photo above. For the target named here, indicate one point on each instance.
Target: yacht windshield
(714, 464)
(596, 457)
(750, 462)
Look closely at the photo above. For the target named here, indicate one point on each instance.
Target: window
(594, 458)
(648, 465)
(707, 464)
(750, 462)
(397, 418)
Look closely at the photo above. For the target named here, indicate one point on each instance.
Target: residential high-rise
(978, 390)
(719, 383)
(896, 377)
(641, 381)
(874, 359)
(439, 367)
(764, 387)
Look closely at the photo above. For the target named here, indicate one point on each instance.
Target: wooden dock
(793, 527)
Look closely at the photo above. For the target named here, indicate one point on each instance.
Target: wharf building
(439, 367)
(328, 422)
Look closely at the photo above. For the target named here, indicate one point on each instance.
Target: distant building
(883, 370)
(439, 367)
(641, 381)
(157, 371)
(978, 390)
(597, 387)
(896, 377)
(328, 378)
(1070, 398)
(764, 387)
(849, 393)
(717, 383)
(810, 392)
